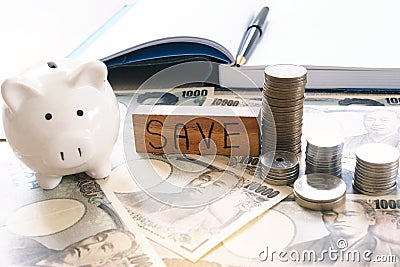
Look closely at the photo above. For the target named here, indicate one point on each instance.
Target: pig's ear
(93, 73)
(15, 92)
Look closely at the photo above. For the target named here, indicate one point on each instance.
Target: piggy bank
(61, 118)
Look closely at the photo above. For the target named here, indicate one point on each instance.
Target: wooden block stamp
(197, 130)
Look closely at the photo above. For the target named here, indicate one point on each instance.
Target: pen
(251, 36)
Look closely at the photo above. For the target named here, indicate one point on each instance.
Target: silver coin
(377, 167)
(374, 193)
(374, 166)
(323, 157)
(291, 100)
(278, 182)
(294, 133)
(337, 173)
(295, 150)
(320, 187)
(281, 176)
(367, 174)
(374, 180)
(282, 95)
(282, 139)
(281, 114)
(323, 160)
(324, 169)
(311, 149)
(283, 92)
(280, 172)
(270, 81)
(324, 140)
(320, 206)
(283, 123)
(288, 90)
(285, 71)
(286, 84)
(317, 170)
(377, 153)
(373, 189)
(279, 160)
(374, 186)
(286, 146)
(283, 142)
(285, 109)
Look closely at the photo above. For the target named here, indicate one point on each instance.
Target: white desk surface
(33, 30)
(47, 29)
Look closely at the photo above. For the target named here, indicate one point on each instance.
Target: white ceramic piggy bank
(60, 118)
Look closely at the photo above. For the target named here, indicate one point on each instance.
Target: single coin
(324, 139)
(285, 71)
(320, 206)
(377, 153)
(320, 187)
(279, 160)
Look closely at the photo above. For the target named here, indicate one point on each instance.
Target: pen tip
(240, 60)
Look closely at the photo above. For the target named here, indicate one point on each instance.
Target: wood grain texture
(197, 130)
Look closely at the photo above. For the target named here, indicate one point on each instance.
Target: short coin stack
(376, 169)
(324, 153)
(319, 191)
(284, 94)
(279, 168)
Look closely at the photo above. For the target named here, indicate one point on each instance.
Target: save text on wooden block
(196, 130)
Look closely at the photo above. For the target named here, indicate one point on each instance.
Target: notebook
(343, 44)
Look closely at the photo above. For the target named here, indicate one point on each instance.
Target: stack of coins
(376, 169)
(279, 168)
(284, 94)
(324, 153)
(319, 191)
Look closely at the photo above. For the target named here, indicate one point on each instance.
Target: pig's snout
(68, 151)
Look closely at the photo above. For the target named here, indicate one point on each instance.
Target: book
(146, 37)
(342, 44)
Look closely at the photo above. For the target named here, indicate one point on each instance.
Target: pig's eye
(48, 116)
(79, 112)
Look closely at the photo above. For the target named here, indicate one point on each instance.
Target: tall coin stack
(324, 153)
(284, 94)
(376, 171)
(280, 167)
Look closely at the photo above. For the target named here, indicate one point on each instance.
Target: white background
(47, 29)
